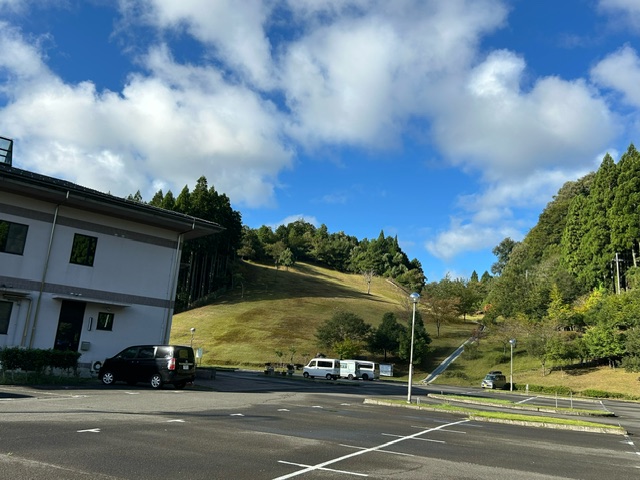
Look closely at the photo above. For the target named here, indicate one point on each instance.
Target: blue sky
(449, 124)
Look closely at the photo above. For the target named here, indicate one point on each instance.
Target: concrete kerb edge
(555, 426)
(528, 408)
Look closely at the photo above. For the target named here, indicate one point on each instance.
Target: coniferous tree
(623, 216)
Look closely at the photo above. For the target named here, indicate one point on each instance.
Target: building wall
(132, 277)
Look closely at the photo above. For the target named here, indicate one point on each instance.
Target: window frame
(15, 238)
(5, 316)
(84, 255)
(108, 319)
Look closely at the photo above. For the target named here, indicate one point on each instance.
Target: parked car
(369, 370)
(328, 368)
(494, 379)
(155, 364)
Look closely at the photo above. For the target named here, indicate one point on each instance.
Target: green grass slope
(280, 310)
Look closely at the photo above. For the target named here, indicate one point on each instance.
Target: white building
(84, 270)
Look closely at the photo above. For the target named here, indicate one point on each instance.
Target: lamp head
(414, 297)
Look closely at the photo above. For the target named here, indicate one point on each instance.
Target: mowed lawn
(280, 311)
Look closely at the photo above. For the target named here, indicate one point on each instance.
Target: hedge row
(37, 360)
(590, 393)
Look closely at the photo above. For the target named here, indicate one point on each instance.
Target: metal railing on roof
(6, 150)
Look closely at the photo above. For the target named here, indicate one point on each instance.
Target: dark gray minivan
(155, 364)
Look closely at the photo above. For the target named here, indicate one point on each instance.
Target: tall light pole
(414, 298)
(512, 342)
(193, 332)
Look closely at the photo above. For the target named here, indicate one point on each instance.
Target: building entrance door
(69, 325)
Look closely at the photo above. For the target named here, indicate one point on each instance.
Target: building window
(5, 315)
(83, 251)
(105, 321)
(12, 237)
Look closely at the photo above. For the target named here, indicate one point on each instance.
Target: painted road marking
(324, 469)
(90, 430)
(423, 439)
(321, 466)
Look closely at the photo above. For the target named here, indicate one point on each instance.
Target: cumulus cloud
(357, 80)
(357, 74)
(494, 127)
(178, 122)
(625, 11)
(620, 71)
(236, 34)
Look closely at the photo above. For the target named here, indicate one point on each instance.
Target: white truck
(349, 369)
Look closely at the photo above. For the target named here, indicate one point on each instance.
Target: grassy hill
(280, 310)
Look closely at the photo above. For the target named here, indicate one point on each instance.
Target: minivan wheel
(350, 376)
(156, 381)
(107, 378)
(365, 377)
(305, 374)
(329, 376)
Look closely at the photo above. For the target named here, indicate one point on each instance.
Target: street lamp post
(414, 299)
(512, 342)
(193, 332)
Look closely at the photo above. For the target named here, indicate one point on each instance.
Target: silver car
(493, 380)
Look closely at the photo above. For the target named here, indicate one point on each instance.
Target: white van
(349, 369)
(369, 370)
(328, 368)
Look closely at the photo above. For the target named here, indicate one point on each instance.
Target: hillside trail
(446, 362)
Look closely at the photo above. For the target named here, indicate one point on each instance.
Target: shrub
(455, 374)
(471, 351)
(552, 389)
(603, 394)
(37, 360)
(631, 363)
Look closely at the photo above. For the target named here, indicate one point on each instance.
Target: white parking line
(526, 400)
(381, 451)
(423, 439)
(325, 469)
(442, 430)
(322, 465)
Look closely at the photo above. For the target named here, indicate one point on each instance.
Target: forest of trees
(570, 287)
(570, 290)
(207, 263)
(301, 241)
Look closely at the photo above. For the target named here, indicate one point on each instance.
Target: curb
(553, 426)
(526, 408)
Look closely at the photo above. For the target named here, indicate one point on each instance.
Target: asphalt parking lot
(247, 425)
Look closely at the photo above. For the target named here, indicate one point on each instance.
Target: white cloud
(347, 74)
(180, 122)
(357, 80)
(465, 237)
(236, 34)
(494, 127)
(627, 12)
(620, 71)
